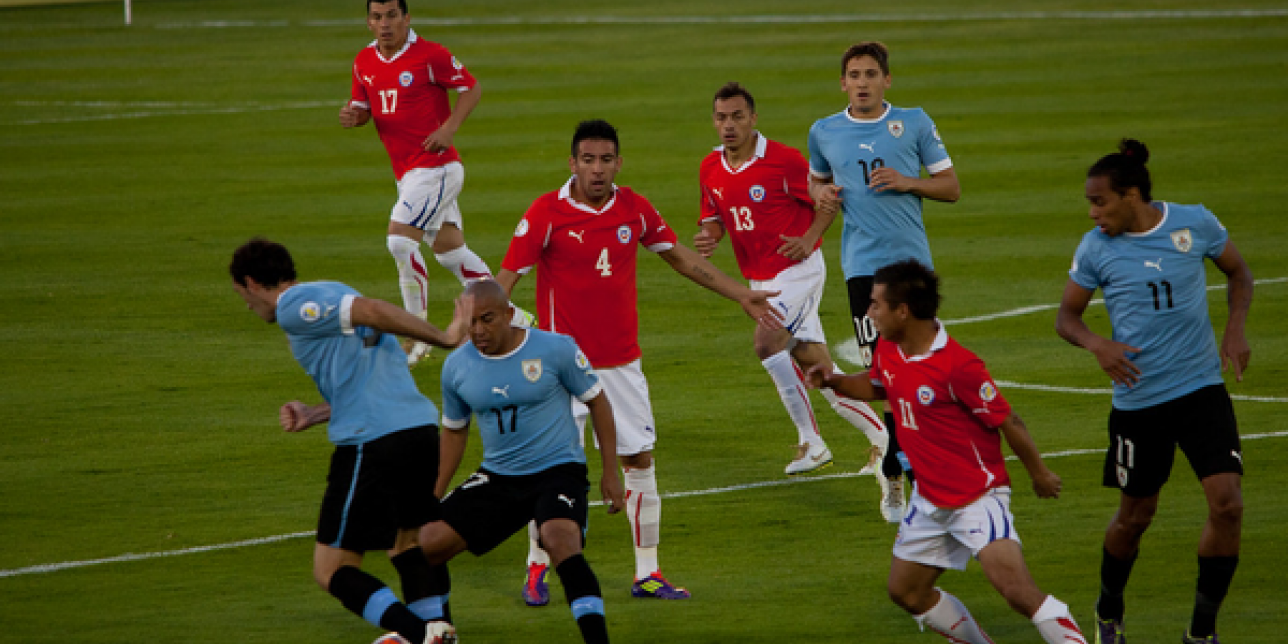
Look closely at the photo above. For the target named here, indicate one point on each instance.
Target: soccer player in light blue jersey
(381, 482)
(866, 162)
(1147, 257)
(519, 384)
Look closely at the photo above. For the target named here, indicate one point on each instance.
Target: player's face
(735, 122)
(1112, 212)
(490, 329)
(389, 25)
(889, 321)
(594, 167)
(866, 85)
(253, 295)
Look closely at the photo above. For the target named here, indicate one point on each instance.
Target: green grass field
(140, 395)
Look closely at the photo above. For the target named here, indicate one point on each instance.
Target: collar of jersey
(941, 341)
(762, 144)
(411, 38)
(878, 119)
(1159, 205)
(526, 335)
(565, 194)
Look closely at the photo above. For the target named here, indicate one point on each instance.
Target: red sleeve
(707, 205)
(975, 390)
(796, 176)
(449, 72)
(358, 92)
(529, 239)
(655, 229)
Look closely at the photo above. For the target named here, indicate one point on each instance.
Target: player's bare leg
(413, 279)
(1003, 564)
(772, 348)
(912, 587)
(856, 412)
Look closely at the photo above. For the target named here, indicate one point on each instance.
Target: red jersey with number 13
(766, 197)
(948, 410)
(407, 96)
(585, 261)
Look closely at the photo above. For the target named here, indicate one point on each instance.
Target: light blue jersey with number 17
(521, 401)
(880, 227)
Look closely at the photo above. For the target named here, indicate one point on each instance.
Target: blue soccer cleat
(657, 587)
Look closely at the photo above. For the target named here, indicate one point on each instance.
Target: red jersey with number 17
(766, 197)
(585, 261)
(407, 96)
(948, 410)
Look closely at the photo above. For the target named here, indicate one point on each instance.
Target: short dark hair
(732, 89)
(268, 262)
(872, 48)
(1126, 169)
(402, 4)
(910, 282)
(595, 129)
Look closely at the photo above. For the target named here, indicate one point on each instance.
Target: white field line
(148, 109)
(54, 567)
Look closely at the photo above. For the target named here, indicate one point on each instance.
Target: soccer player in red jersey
(951, 421)
(402, 81)
(757, 191)
(583, 240)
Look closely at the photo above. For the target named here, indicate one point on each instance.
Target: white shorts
(949, 538)
(627, 391)
(801, 289)
(427, 198)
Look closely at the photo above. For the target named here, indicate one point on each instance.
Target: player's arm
(799, 248)
(610, 484)
(388, 318)
(825, 193)
(708, 237)
(296, 416)
(857, 386)
(451, 449)
(1046, 483)
(940, 186)
(1111, 355)
(507, 279)
(1235, 351)
(352, 115)
(756, 304)
(441, 139)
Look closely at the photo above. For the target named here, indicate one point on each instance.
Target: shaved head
(487, 293)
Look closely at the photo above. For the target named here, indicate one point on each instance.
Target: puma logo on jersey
(1158, 264)
(369, 79)
(567, 500)
(577, 234)
(870, 147)
(504, 391)
(718, 192)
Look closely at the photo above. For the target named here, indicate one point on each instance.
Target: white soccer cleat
(418, 351)
(893, 507)
(875, 456)
(523, 319)
(809, 458)
(440, 633)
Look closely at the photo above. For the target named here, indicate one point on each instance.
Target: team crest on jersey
(896, 128)
(987, 392)
(624, 234)
(582, 362)
(757, 193)
(1183, 240)
(456, 64)
(522, 228)
(405, 79)
(310, 311)
(925, 395)
(532, 369)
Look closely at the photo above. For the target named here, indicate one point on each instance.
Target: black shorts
(487, 508)
(1143, 442)
(377, 488)
(865, 330)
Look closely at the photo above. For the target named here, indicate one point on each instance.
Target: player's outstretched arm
(1111, 355)
(388, 318)
(451, 449)
(610, 484)
(690, 264)
(1046, 484)
(856, 386)
(1235, 351)
(296, 416)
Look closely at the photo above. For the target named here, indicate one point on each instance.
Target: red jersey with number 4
(585, 261)
(766, 197)
(948, 410)
(407, 96)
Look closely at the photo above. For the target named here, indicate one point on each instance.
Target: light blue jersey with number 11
(521, 401)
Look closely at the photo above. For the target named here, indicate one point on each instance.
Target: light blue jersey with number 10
(521, 401)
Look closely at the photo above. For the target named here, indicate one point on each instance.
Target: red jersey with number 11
(948, 410)
(585, 261)
(407, 96)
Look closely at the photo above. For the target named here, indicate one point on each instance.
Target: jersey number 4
(388, 101)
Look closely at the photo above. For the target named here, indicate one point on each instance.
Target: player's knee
(1228, 510)
(910, 598)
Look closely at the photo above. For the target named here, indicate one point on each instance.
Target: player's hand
(1112, 356)
(1235, 353)
(610, 486)
(293, 416)
(351, 116)
(1047, 484)
(462, 314)
(886, 178)
(796, 248)
(439, 142)
(816, 376)
(827, 198)
(759, 308)
(705, 244)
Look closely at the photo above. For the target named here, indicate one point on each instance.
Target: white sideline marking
(47, 568)
(1105, 392)
(159, 108)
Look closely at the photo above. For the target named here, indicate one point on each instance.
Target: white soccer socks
(412, 278)
(1056, 624)
(535, 554)
(951, 619)
(464, 264)
(859, 414)
(782, 369)
(644, 511)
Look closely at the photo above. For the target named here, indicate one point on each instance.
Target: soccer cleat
(875, 456)
(893, 506)
(523, 319)
(391, 638)
(535, 590)
(657, 587)
(416, 352)
(1109, 631)
(1190, 639)
(809, 458)
(440, 633)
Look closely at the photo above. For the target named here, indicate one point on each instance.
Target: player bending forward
(951, 419)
